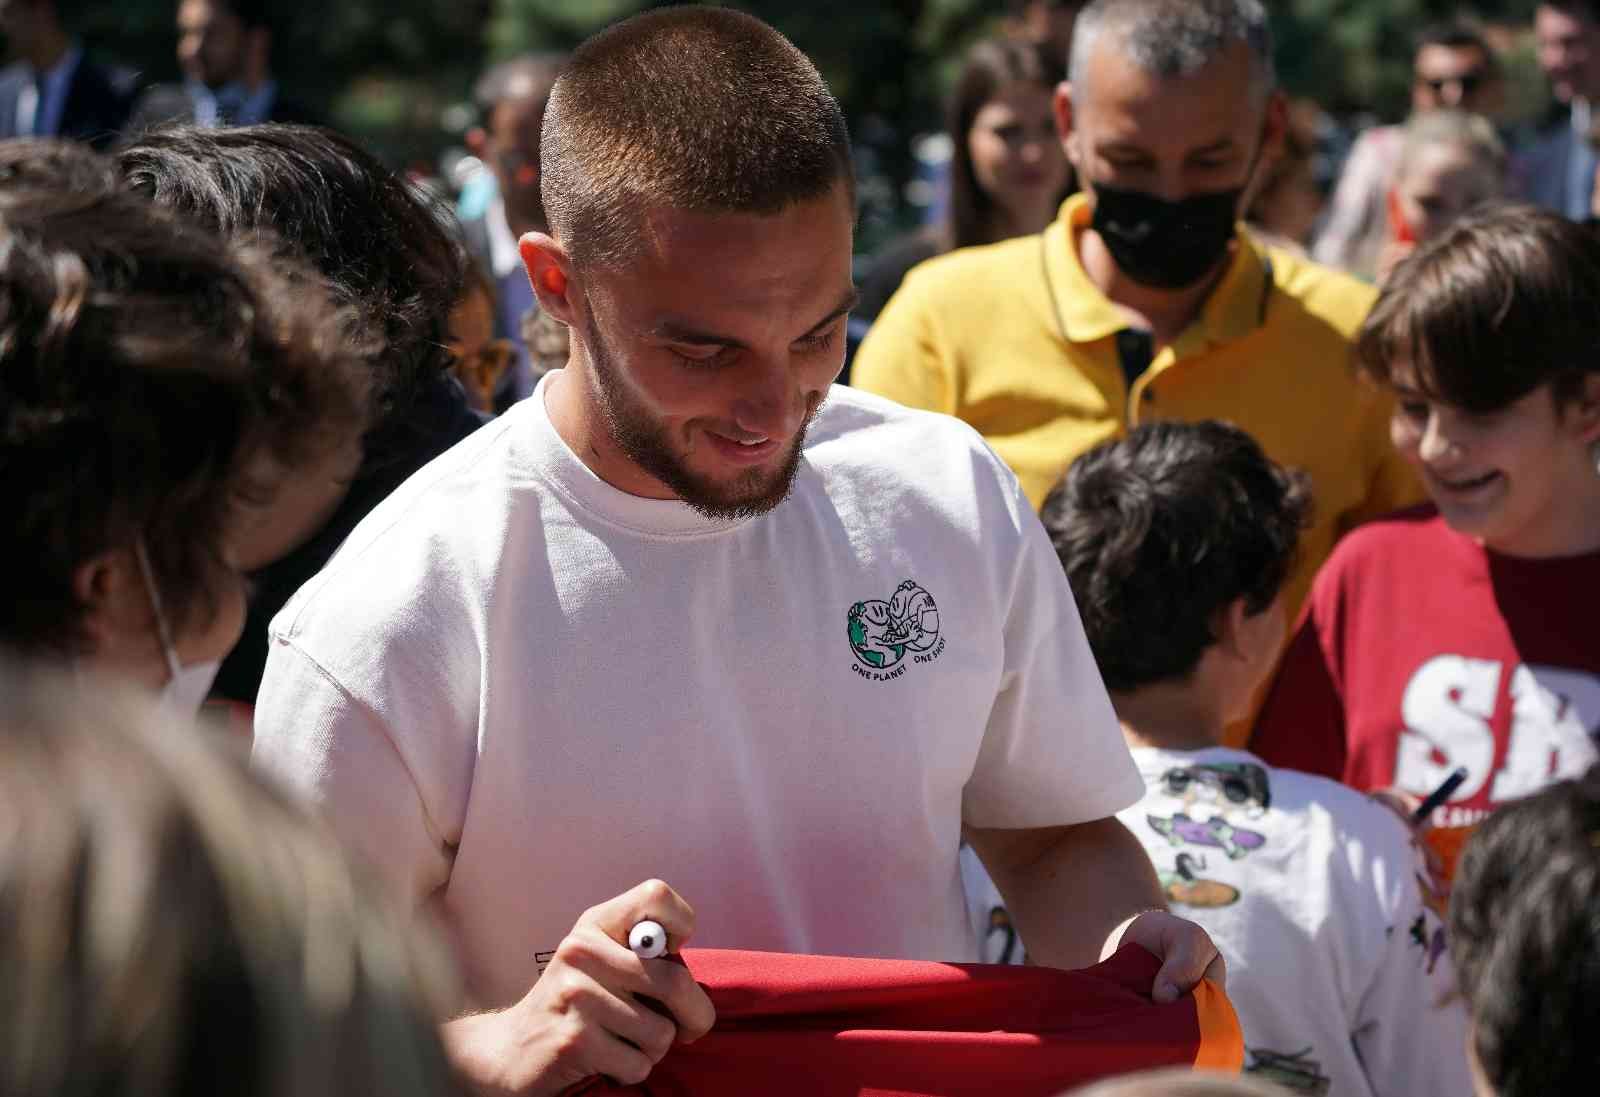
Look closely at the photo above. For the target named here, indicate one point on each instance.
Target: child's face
(1513, 479)
(1441, 183)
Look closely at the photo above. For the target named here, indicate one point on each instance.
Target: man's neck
(46, 49)
(573, 411)
(1169, 716)
(1165, 313)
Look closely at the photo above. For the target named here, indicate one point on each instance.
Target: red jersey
(1420, 651)
(823, 1026)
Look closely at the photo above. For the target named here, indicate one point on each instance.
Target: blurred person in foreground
(1557, 167)
(225, 53)
(385, 251)
(162, 393)
(1453, 67)
(1463, 633)
(674, 615)
(1176, 542)
(1525, 933)
(1450, 162)
(51, 88)
(511, 98)
(1179, 1083)
(1007, 171)
(174, 926)
(1146, 299)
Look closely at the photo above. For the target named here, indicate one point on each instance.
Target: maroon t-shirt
(828, 1026)
(1420, 651)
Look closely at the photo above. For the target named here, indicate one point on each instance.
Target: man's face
(713, 348)
(1450, 76)
(1569, 52)
(1171, 137)
(211, 42)
(511, 148)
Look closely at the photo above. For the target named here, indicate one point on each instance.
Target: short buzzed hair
(689, 108)
(1175, 37)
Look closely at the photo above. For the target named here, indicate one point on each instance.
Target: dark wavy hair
(144, 365)
(1525, 939)
(1501, 302)
(990, 66)
(1161, 530)
(381, 243)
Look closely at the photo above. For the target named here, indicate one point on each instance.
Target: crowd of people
(1191, 593)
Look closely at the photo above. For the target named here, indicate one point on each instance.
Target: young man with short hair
(1176, 541)
(1145, 299)
(1453, 68)
(1526, 941)
(690, 612)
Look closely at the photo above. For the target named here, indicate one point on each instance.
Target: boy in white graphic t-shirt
(1176, 541)
(690, 612)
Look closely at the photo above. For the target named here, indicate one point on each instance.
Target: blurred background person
(1450, 161)
(1462, 634)
(225, 55)
(160, 390)
(1453, 67)
(1047, 22)
(383, 247)
(1288, 201)
(1526, 941)
(511, 99)
(480, 358)
(174, 926)
(1008, 172)
(1556, 168)
(52, 89)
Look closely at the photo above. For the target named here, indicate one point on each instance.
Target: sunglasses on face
(1235, 789)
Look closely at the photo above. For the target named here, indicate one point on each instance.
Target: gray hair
(1174, 37)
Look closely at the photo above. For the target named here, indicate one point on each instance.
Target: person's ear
(1584, 411)
(112, 602)
(1231, 626)
(1066, 119)
(1274, 126)
(550, 272)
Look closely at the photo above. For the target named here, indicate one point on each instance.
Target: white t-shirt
(1313, 894)
(519, 692)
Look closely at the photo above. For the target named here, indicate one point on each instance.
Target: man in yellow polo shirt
(1145, 299)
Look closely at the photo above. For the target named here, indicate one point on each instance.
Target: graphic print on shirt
(882, 633)
(1451, 710)
(1208, 794)
(1298, 1073)
(1185, 887)
(1432, 943)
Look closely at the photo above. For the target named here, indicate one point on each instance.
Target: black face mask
(1162, 244)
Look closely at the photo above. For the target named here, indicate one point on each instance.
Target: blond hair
(170, 925)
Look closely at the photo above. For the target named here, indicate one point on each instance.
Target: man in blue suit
(52, 89)
(1556, 169)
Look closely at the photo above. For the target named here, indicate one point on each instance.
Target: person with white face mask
(158, 387)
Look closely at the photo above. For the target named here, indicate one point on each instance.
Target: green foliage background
(391, 69)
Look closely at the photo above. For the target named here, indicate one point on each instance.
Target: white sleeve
(333, 752)
(1411, 1029)
(1053, 752)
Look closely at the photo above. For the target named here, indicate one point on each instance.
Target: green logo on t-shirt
(882, 633)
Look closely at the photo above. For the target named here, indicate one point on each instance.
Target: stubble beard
(748, 495)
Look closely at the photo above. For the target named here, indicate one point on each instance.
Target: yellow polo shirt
(1015, 339)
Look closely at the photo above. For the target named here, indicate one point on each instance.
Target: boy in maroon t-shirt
(1462, 634)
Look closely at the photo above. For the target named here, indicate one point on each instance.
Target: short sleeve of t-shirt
(1053, 752)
